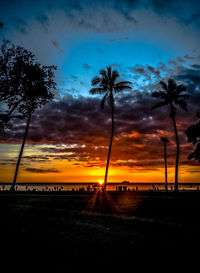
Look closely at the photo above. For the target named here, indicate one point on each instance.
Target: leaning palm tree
(165, 141)
(172, 94)
(107, 84)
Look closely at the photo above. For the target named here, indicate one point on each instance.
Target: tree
(9, 94)
(165, 141)
(172, 95)
(108, 85)
(193, 136)
(25, 85)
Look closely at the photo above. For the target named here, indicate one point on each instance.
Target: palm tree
(171, 95)
(108, 85)
(165, 141)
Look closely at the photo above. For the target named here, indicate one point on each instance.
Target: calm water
(94, 186)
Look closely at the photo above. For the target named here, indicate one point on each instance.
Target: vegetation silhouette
(25, 85)
(108, 85)
(193, 136)
(165, 141)
(9, 79)
(172, 94)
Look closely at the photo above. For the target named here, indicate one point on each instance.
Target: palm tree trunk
(177, 154)
(20, 154)
(165, 151)
(110, 146)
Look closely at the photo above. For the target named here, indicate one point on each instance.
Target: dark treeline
(26, 85)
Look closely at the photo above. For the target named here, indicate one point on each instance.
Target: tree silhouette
(9, 94)
(165, 141)
(107, 84)
(172, 94)
(12, 61)
(25, 85)
(193, 136)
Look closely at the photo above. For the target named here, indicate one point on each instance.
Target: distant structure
(125, 182)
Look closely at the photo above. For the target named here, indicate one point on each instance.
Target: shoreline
(147, 193)
(91, 183)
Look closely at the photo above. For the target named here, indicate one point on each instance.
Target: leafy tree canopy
(193, 136)
(25, 84)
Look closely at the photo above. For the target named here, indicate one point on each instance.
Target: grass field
(95, 226)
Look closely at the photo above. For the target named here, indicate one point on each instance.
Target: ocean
(67, 186)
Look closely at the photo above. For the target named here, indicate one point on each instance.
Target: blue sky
(81, 37)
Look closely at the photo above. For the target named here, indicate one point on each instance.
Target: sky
(146, 41)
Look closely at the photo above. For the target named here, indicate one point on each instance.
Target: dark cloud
(147, 71)
(43, 20)
(21, 25)
(172, 62)
(152, 70)
(80, 131)
(189, 57)
(84, 129)
(191, 76)
(40, 158)
(37, 170)
(75, 78)
(192, 19)
(86, 66)
(97, 15)
(139, 69)
(55, 43)
(181, 60)
(165, 6)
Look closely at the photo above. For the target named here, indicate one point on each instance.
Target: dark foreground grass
(78, 228)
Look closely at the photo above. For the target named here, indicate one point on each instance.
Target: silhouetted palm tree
(108, 85)
(172, 95)
(165, 141)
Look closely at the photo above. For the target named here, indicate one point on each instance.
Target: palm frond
(161, 95)
(120, 88)
(164, 85)
(106, 84)
(97, 90)
(182, 103)
(114, 75)
(159, 104)
(96, 80)
(103, 73)
(171, 86)
(180, 88)
(184, 96)
(103, 100)
(123, 83)
(171, 94)
(109, 71)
